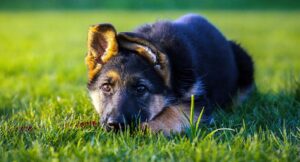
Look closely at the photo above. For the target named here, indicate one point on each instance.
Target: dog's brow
(113, 74)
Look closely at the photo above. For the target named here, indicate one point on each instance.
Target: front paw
(150, 126)
(171, 120)
(158, 127)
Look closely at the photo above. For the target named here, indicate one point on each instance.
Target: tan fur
(170, 120)
(112, 48)
(173, 119)
(93, 66)
(113, 74)
(156, 106)
(97, 99)
(96, 56)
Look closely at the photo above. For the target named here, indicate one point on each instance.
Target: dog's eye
(106, 88)
(141, 89)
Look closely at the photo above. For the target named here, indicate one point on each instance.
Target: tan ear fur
(148, 51)
(102, 45)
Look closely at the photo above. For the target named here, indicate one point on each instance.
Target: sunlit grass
(43, 92)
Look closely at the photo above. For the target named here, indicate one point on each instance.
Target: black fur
(197, 49)
(244, 65)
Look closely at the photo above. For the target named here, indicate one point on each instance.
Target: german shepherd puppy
(149, 75)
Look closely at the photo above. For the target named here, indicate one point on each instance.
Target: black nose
(115, 124)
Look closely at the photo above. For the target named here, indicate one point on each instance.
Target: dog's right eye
(140, 89)
(106, 88)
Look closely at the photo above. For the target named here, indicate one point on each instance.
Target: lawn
(46, 114)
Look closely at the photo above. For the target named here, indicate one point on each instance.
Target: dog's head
(128, 77)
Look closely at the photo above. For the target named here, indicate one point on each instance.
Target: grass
(43, 94)
(150, 4)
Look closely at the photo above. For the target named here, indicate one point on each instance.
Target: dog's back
(202, 61)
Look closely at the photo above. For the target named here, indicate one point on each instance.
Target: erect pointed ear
(102, 45)
(158, 59)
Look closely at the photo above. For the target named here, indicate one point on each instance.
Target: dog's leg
(171, 120)
(175, 119)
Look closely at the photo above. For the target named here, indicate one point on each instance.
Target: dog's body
(159, 66)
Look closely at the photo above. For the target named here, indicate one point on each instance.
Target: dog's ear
(102, 45)
(158, 59)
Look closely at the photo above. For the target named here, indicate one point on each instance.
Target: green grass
(43, 77)
(150, 4)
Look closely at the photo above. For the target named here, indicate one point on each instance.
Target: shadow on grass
(275, 112)
(11, 105)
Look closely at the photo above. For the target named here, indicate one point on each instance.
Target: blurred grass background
(52, 44)
(43, 82)
(149, 4)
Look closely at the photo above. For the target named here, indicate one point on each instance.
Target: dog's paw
(158, 127)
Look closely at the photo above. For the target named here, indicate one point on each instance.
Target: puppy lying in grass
(148, 76)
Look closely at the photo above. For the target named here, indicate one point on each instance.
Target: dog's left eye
(141, 89)
(106, 88)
